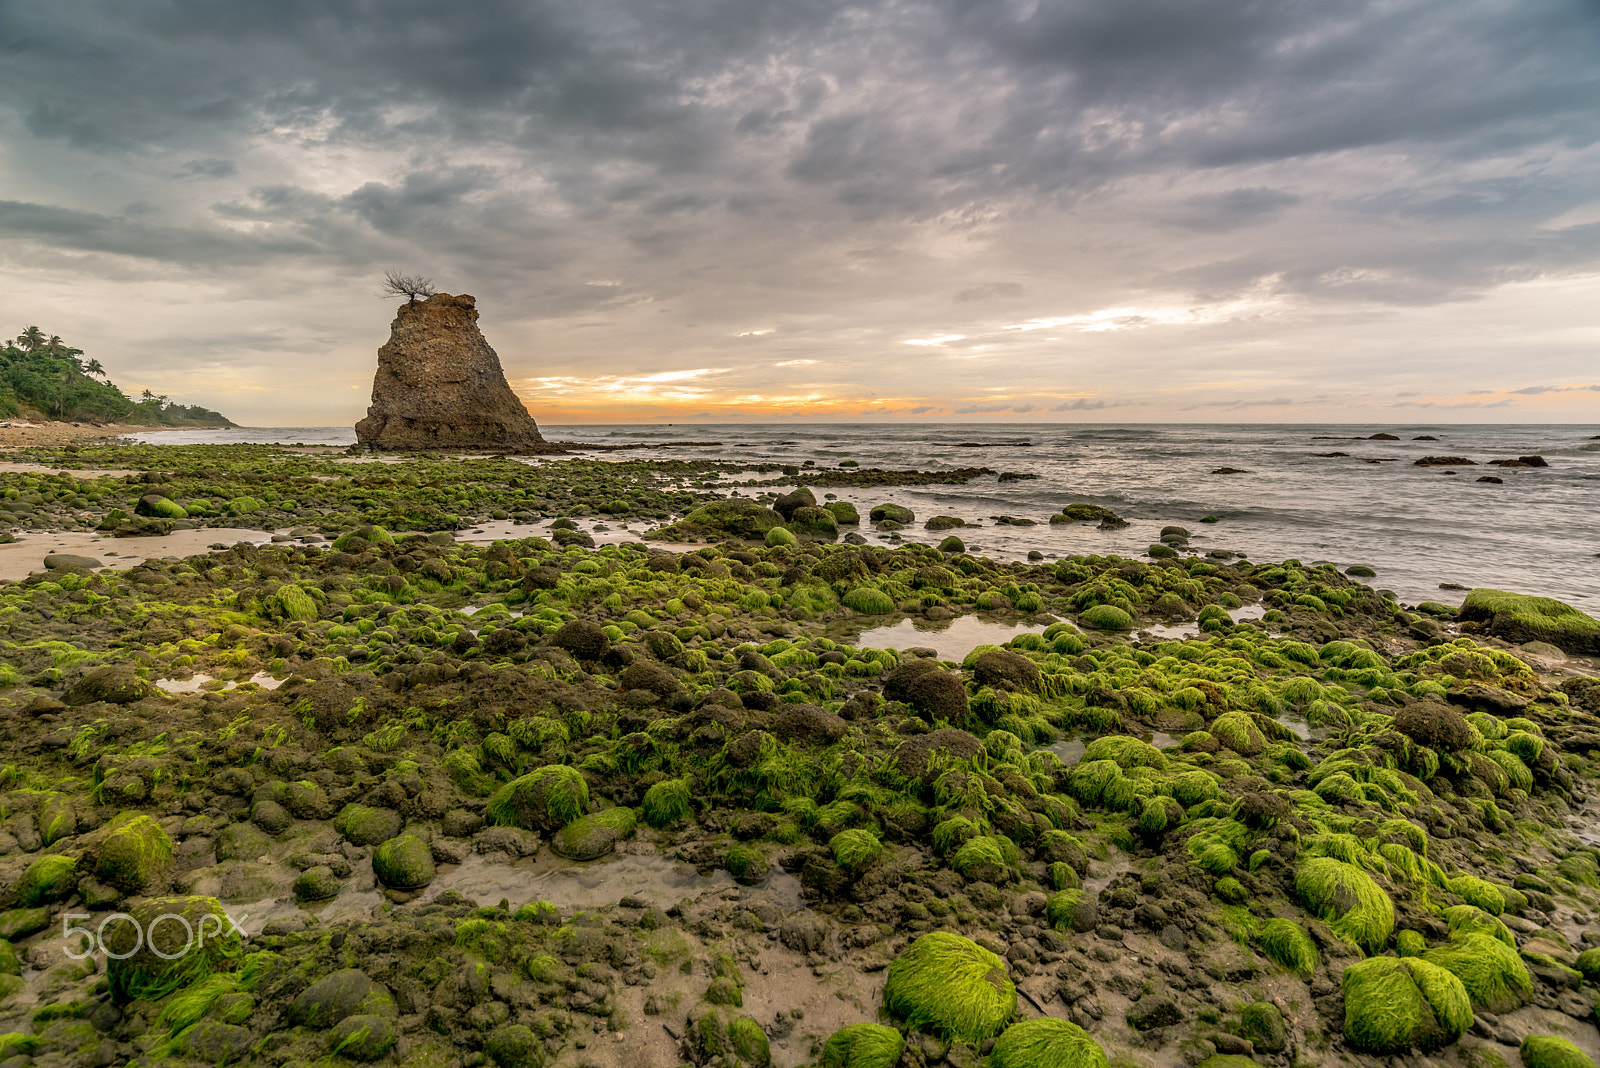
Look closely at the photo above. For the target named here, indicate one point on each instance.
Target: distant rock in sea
(440, 386)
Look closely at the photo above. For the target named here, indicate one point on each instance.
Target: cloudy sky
(671, 210)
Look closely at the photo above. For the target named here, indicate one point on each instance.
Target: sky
(754, 210)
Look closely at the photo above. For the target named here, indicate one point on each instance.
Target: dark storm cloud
(736, 160)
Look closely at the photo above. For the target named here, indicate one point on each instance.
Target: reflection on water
(1069, 751)
(198, 683)
(952, 638)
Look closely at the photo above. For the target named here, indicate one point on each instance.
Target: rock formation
(439, 386)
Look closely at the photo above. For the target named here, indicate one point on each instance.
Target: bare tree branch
(410, 286)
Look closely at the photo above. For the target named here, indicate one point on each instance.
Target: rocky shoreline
(550, 801)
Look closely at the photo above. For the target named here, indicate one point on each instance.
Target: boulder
(440, 386)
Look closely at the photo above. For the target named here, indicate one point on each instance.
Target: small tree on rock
(410, 286)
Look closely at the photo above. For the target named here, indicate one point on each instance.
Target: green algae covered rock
(362, 1038)
(1348, 900)
(779, 536)
(666, 803)
(1492, 972)
(594, 835)
(952, 986)
(1046, 1043)
(17, 924)
(365, 826)
(749, 1042)
(893, 513)
(170, 943)
(863, 1045)
(1106, 617)
(515, 1047)
(159, 507)
(545, 799)
(1395, 1004)
(1519, 618)
(1287, 945)
(133, 853)
(869, 601)
(844, 513)
(1238, 732)
(403, 863)
(117, 685)
(855, 850)
(1548, 1051)
(50, 878)
(1261, 1024)
(338, 996)
(739, 518)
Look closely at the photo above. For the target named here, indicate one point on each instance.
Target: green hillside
(41, 373)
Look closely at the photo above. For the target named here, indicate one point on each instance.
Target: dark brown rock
(440, 386)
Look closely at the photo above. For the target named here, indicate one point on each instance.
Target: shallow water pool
(952, 638)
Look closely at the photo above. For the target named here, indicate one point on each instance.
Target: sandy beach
(20, 433)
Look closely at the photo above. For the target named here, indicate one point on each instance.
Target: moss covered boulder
(1519, 617)
(116, 685)
(167, 944)
(1550, 1051)
(132, 853)
(863, 1045)
(364, 826)
(515, 1047)
(594, 835)
(363, 1037)
(1046, 1043)
(545, 799)
(50, 878)
(1395, 1004)
(1494, 975)
(951, 986)
(735, 518)
(1348, 899)
(338, 996)
(404, 863)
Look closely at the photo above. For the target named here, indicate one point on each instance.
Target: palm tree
(93, 368)
(30, 339)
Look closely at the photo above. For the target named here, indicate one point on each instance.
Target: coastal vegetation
(41, 373)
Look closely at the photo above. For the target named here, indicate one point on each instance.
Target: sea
(1312, 492)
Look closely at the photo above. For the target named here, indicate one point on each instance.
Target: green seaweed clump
(133, 853)
(863, 1045)
(1549, 1051)
(52, 877)
(666, 803)
(403, 863)
(171, 943)
(1348, 900)
(856, 850)
(868, 601)
(1519, 618)
(593, 836)
(545, 799)
(1287, 945)
(1106, 617)
(951, 985)
(1494, 975)
(1394, 1004)
(1046, 1043)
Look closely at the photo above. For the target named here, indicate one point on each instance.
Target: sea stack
(439, 386)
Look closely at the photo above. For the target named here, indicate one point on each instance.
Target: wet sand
(26, 555)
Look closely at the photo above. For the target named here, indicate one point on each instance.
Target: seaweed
(951, 985)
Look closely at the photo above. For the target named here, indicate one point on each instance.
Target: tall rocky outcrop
(439, 386)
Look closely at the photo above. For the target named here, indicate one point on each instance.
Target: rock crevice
(440, 386)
